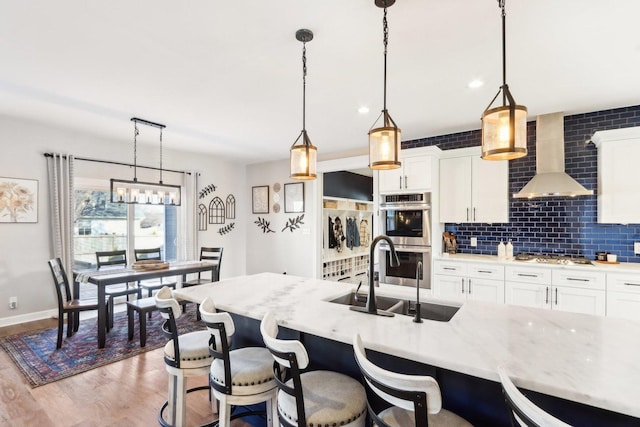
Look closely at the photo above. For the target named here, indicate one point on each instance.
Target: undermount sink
(428, 311)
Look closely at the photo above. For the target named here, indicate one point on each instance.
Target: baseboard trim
(28, 317)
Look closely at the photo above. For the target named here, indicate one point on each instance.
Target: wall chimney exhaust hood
(550, 179)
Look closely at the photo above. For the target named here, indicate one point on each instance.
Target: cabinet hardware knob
(556, 296)
(632, 284)
(527, 275)
(462, 285)
(575, 279)
(546, 298)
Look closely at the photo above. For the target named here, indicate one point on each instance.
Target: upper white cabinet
(415, 174)
(472, 189)
(618, 188)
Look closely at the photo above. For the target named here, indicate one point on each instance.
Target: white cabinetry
(461, 281)
(414, 174)
(618, 189)
(348, 263)
(472, 189)
(623, 295)
(576, 290)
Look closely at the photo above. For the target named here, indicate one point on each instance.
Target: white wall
(282, 251)
(25, 248)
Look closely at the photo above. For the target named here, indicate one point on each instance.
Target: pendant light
(303, 155)
(504, 129)
(150, 193)
(384, 141)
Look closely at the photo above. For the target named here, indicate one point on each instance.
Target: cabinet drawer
(579, 279)
(623, 282)
(539, 276)
(486, 271)
(451, 268)
(624, 305)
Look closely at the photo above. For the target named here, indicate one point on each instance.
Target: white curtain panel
(188, 236)
(61, 207)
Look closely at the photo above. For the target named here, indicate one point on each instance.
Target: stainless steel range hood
(550, 179)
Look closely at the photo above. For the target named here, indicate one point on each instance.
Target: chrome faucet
(418, 319)
(371, 306)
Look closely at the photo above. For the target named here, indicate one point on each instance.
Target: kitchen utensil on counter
(612, 258)
(449, 244)
(601, 256)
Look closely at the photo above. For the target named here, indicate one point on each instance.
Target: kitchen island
(586, 359)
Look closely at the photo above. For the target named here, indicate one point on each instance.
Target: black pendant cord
(504, 51)
(135, 152)
(385, 30)
(304, 87)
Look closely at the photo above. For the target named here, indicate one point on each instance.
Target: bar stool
(416, 398)
(312, 398)
(522, 411)
(243, 376)
(185, 355)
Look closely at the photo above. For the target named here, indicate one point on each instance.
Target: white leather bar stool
(243, 376)
(522, 411)
(416, 399)
(312, 398)
(185, 355)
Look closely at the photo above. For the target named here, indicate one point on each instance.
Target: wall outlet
(13, 303)
(636, 248)
(474, 242)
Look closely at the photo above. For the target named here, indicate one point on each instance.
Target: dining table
(105, 277)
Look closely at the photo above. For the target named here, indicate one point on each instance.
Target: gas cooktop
(553, 259)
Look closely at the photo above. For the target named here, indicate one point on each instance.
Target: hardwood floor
(125, 393)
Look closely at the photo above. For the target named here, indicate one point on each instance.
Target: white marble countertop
(623, 267)
(588, 359)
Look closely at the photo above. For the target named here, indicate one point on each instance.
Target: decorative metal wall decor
(231, 207)
(260, 199)
(216, 211)
(18, 200)
(226, 229)
(206, 191)
(202, 217)
(264, 224)
(294, 223)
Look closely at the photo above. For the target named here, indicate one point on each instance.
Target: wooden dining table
(103, 278)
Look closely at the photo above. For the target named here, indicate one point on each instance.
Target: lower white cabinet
(623, 295)
(467, 281)
(576, 291)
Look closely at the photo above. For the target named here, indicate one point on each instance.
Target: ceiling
(226, 77)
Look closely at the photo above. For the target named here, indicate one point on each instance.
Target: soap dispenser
(501, 250)
(509, 250)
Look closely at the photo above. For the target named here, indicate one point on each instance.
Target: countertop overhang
(588, 359)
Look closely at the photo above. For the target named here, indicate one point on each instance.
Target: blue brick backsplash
(551, 225)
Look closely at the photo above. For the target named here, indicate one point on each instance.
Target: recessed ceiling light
(475, 84)
(363, 110)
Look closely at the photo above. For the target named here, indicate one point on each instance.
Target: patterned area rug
(35, 354)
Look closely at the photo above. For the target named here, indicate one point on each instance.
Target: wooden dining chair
(153, 254)
(116, 259)
(66, 304)
(207, 254)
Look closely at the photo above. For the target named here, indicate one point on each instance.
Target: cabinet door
(528, 294)
(579, 300)
(485, 290)
(417, 173)
(449, 287)
(624, 305)
(455, 189)
(618, 191)
(390, 180)
(490, 190)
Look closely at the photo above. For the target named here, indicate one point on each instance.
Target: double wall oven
(406, 219)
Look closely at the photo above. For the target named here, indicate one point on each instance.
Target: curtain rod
(119, 163)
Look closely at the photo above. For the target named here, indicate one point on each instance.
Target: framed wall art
(294, 197)
(260, 199)
(18, 200)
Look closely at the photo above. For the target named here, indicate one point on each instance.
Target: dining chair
(523, 412)
(207, 254)
(116, 259)
(311, 398)
(415, 399)
(66, 304)
(153, 254)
